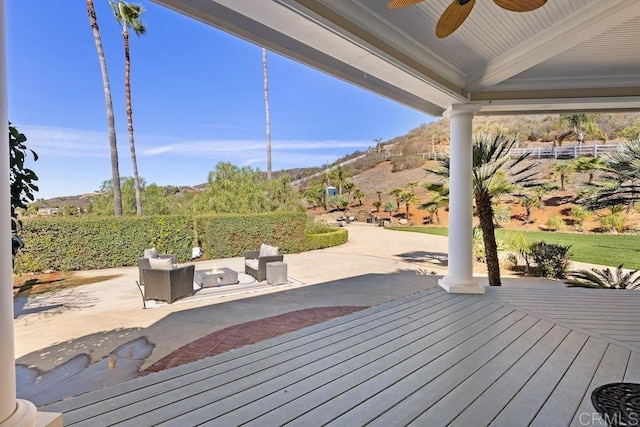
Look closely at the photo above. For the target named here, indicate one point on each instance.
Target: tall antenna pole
(266, 109)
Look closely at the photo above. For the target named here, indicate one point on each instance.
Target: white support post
(13, 412)
(459, 278)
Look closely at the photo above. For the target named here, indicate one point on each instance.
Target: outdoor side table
(276, 273)
(618, 403)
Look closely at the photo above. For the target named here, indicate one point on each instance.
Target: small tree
(397, 193)
(358, 195)
(580, 124)
(588, 165)
(21, 178)
(390, 206)
(348, 187)
(439, 200)
(528, 201)
(580, 215)
(408, 198)
(563, 170)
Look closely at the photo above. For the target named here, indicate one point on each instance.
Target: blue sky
(197, 100)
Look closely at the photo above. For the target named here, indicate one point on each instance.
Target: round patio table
(618, 403)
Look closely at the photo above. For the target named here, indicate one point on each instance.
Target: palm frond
(604, 279)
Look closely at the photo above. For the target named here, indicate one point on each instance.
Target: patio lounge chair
(143, 262)
(168, 283)
(255, 262)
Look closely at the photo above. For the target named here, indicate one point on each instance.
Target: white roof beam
(593, 20)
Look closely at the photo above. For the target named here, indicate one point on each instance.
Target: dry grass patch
(33, 284)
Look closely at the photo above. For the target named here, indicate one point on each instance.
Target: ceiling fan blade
(520, 5)
(399, 4)
(453, 17)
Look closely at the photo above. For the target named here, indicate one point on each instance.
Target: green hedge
(92, 243)
(224, 236)
(326, 240)
(88, 243)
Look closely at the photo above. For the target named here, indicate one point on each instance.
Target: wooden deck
(511, 357)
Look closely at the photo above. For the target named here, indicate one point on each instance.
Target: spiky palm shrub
(604, 279)
(494, 173)
(621, 182)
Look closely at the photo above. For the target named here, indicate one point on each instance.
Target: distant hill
(411, 151)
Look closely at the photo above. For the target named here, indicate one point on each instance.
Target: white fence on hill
(562, 152)
(565, 152)
(550, 152)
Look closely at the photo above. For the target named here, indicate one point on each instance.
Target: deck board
(563, 403)
(610, 369)
(511, 357)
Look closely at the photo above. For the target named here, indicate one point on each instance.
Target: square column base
(458, 286)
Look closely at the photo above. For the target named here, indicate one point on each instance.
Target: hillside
(402, 159)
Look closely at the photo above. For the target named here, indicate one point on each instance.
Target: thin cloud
(66, 142)
(217, 147)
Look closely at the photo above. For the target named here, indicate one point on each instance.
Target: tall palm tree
(339, 176)
(265, 77)
(491, 167)
(115, 172)
(128, 16)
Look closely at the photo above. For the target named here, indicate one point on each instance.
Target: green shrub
(555, 222)
(335, 237)
(477, 244)
(88, 243)
(390, 206)
(230, 235)
(613, 222)
(580, 215)
(317, 227)
(519, 249)
(501, 214)
(551, 260)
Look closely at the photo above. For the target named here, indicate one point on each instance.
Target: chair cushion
(161, 263)
(266, 250)
(151, 253)
(252, 264)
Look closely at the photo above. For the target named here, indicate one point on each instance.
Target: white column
(459, 278)
(13, 412)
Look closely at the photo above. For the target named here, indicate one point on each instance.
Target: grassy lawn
(603, 249)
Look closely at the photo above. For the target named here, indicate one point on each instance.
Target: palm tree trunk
(115, 172)
(485, 213)
(266, 109)
(132, 145)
